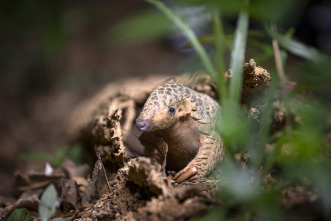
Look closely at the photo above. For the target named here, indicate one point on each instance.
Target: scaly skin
(178, 127)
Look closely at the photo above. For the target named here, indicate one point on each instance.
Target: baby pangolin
(178, 127)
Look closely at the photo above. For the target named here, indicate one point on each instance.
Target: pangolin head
(164, 107)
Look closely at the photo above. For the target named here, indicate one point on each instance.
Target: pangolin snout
(142, 124)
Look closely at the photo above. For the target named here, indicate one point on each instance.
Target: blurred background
(55, 54)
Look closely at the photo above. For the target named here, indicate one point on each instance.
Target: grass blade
(297, 48)
(238, 56)
(188, 32)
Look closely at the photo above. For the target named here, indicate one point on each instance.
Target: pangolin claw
(186, 174)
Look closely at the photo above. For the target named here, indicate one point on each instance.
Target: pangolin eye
(171, 110)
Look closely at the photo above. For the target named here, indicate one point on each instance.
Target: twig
(104, 170)
(285, 84)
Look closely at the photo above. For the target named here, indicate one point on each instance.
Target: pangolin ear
(185, 108)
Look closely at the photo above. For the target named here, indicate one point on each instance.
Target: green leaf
(47, 203)
(225, 7)
(21, 214)
(275, 11)
(33, 156)
(202, 39)
(60, 155)
(298, 48)
(210, 38)
(263, 10)
(75, 153)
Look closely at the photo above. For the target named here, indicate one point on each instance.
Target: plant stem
(219, 54)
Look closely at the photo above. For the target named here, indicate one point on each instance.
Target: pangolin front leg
(155, 148)
(210, 152)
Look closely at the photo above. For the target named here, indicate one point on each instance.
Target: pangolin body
(178, 127)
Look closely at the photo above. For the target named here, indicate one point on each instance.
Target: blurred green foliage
(261, 10)
(19, 214)
(20, 20)
(142, 27)
(298, 153)
(74, 153)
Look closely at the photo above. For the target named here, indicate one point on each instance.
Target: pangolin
(178, 126)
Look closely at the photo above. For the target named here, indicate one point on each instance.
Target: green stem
(219, 54)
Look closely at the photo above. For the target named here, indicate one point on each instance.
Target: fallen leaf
(30, 203)
(47, 203)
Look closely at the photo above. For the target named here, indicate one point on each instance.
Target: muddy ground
(134, 188)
